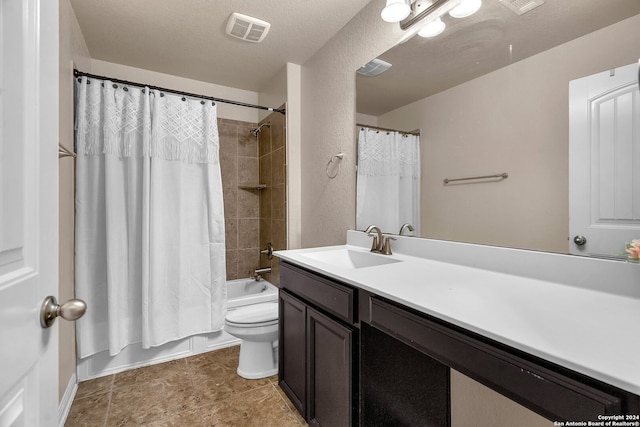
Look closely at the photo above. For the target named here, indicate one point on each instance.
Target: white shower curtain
(149, 217)
(388, 185)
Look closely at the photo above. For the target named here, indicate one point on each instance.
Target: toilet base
(258, 359)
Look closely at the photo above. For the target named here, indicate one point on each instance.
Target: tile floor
(202, 390)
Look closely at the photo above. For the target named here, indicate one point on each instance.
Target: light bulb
(466, 8)
(395, 10)
(432, 29)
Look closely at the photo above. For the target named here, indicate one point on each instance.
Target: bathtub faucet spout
(256, 275)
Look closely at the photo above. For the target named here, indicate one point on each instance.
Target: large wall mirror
(549, 97)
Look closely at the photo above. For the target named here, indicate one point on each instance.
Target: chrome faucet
(377, 244)
(406, 226)
(381, 244)
(257, 273)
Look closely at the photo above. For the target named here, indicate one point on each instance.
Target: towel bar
(503, 175)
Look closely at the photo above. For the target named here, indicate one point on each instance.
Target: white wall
(72, 52)
(274, 93)
(365, 119)
(513, 120)
(294, 165)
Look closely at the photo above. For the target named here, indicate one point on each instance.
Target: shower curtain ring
(336, 158)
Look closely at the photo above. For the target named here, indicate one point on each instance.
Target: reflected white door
(604, 161)
(28, 210)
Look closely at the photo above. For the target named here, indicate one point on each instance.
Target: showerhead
(257, 130)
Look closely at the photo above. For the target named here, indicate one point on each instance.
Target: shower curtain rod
(77, 73)
(417, 133)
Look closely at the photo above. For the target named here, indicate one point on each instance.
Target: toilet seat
(252, 325)
(257, 315)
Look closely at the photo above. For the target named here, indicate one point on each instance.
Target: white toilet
(257, 326)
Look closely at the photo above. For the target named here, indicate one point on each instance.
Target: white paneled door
(604, 162)
(28, 210)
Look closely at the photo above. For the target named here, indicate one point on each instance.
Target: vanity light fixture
(432, 28)
(465, 8)
(396, 10)
(429, 13)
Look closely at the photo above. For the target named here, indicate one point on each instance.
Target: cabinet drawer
(333, 297)
(549, 393)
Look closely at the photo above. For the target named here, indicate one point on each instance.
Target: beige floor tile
(202, 390)
(290, 406)
(143, 404)
(226, 357)
(168, 372)
(89, 411)
(95, 386)
(261, 407)
(213, 383)
(191, 418)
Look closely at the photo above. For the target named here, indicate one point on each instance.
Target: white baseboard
(67, 400)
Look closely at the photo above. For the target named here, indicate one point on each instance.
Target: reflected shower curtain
(149, 218)
(388, 186)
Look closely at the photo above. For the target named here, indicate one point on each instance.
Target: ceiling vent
(522, 6)
(374, 67)
(247, 28)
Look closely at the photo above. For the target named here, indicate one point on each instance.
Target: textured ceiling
(187, 37)
(477, 45)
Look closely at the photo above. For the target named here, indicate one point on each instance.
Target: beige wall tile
(239, 166)
(247, 143)
(232, 264)
(264, 140)
(265, 169)
(265, 233)
(279, 234)
(248, 170)
(278, 138)
(230, 196)
(278, 200)
(278, 159)
(265, 203)
(228, 139)
(231, 233)
(248, 203)
(248, 260)
(248, 233)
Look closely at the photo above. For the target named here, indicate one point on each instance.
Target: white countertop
(587, 330)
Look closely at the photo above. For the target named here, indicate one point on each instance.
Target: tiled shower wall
(254, 216)
(273, 203)
(239, 167)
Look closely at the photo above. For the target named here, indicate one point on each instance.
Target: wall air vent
(374, 67)
(247, 28)
(522, 6)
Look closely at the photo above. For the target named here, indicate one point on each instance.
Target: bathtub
(243, 292)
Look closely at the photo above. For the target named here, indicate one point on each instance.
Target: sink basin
(348, 258)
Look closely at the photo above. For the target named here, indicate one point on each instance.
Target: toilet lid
(256, 313)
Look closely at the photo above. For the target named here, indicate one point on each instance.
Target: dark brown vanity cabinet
(318, 346)
(349, 357)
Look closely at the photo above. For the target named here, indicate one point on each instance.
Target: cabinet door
(292, 350)
(330, 349)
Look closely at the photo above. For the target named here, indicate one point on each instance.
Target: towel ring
(333, 159)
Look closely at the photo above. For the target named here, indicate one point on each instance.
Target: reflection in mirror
(490, 95)
(388, 182)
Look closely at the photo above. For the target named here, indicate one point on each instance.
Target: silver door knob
(70, 310)
(579, 240)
